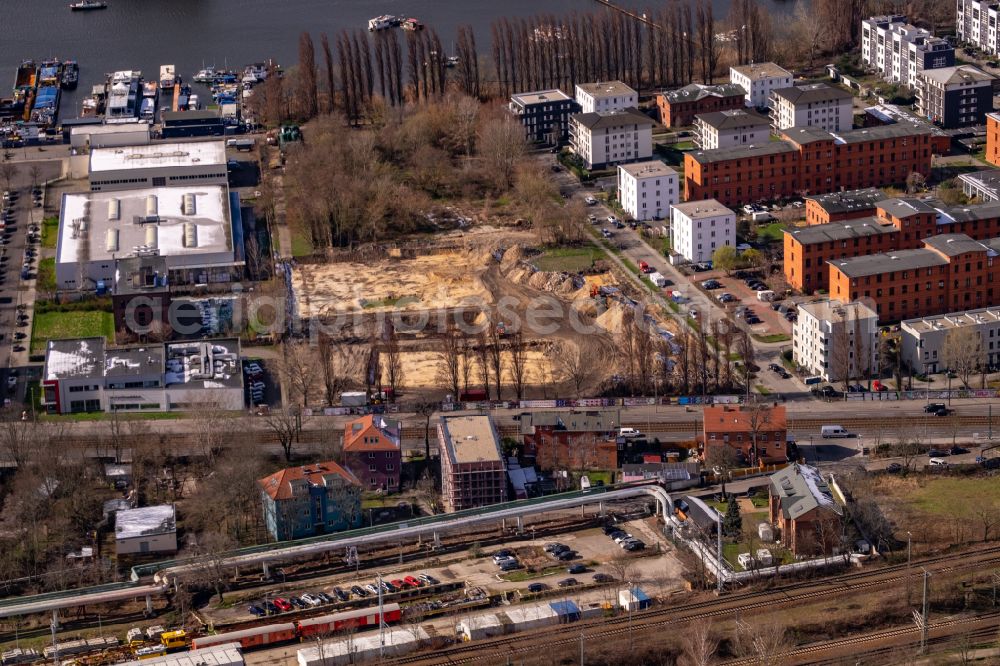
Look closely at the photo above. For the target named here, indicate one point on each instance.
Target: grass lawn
(569, 259)
(301, 245)
(523, 574)
(774, 337)
(46, 275)
(770, 233)
(948, 496)
(100, 416)
(50, 232)
(83, 324)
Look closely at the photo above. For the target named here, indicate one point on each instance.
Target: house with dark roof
(571, 440)
(802, 507)
(679, 107)
(731, 128)
(842, 206)
(544, 114)
(372, 451)
(312, 499)
(758, 434)
(605, 138)
(812, 105)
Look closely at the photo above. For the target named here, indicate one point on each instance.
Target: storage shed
(531, 617)
(633, 599)
(481, 626)
(566, 611)
(363, 648)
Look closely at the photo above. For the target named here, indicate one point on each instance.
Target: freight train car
(357, 619)
(251, 638)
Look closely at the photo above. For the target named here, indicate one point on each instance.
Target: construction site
(469, 281)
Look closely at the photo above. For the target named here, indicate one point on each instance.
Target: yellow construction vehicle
(175, 640)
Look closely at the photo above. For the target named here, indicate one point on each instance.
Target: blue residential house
(309, 500)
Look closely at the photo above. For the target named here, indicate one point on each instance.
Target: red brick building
(802, 508)
(899, 224)
(372, 452)
(993, 138)
(810, 161)
(842, 206)
(951, 272)
(574, 440)
(679, 107)
(742, 427)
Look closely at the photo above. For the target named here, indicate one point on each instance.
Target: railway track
(497, 649)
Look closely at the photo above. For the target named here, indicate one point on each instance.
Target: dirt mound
(612, 319)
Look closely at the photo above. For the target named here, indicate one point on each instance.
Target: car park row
(277, 605)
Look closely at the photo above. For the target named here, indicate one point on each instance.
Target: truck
(658, 279)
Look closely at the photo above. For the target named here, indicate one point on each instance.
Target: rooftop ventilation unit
(187, 206)
(190, 235)
(151, 206)
(152, 236)
(112, 240)
(114, 209)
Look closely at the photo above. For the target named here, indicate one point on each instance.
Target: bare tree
(299, 372)
(8, 172)
(338, 367)
(285, 423)
(450, 360)
(495, 337)
(501, 146)
(425, 409)
(517, 354)
(722, 457)
(393, 360)
(574, 365)
(987, 515)
(962, 352)
(700, 645)
(307, 76)
(209, 421)
(763, 644)
(483, 361)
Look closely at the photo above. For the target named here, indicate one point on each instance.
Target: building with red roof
(372, 451)
(312, 499)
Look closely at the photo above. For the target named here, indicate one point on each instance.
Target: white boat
(383, 22)
(168, 77)
(205, 75)
(193, 102)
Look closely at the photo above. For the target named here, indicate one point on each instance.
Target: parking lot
(761, 316)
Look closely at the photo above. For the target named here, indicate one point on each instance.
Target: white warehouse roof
(147, 521)
(158, 156)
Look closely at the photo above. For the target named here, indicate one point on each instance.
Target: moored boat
(383, 22)
(168, 77)
(70, 74)
(412, 24)
(88, 5)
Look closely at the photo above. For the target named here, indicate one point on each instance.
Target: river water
(144, 34)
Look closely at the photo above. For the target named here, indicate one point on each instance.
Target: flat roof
(158, 156)
(146, 521)
(696, 210)
(953, 320)
(968, 212)
(811, 93)
(957, 74)
(807, 134)
(649, 169)
(843, 202)
(602, 89)
(761, 70)
(471, 438)
(601, 119)
(95, 226)
(901, 260)
(228, 654)
(836, 312)
(540, 96)
(133, 361)
(986, 178)
(210, 364)
(733, 118)
(899, 130)
(742, 152)
(77, 358)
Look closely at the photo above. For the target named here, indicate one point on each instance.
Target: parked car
(937, 453)
(341, 595)
(726, 297)
(372, 588)
(894, 468)
(603, 578)
(958, 450)
(412, 581)
(938, 462)
(270, 608)
(567, 582)
(566, 555)
(398, 584)
(711, 284)
(282, 605)
(879, 386)
(944, 411)
(991, 463)
(591, 201)
(634, 545)
(256, 611)
(359, 591)
(427, 578)
(502, 555)
(510, 565)
(932, 407)
(577, 569)
(536, 587)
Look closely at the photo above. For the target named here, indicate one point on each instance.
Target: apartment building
(605, 96)
(899, 51)
(842, 206)
(836, 341)
(371, 448)
(473, 472)
(647, 190)
(759, 434)
(698, 228)
(922, 340)
(730, 129)
(679, 107)
(603, 139)
(951, 272)
(571, 440)
(312, 499)
(955, 96)
(993, 139)
(544, 114)
(982, 185)
(976, 24)
(758, 80)
(899, 224)
(812, 105)
(809, 160)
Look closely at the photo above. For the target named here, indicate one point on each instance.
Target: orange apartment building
(993, 138)
(679, 107)
(898, 224)
(951, 272)
(842, 206)
(739, 428)
(809, 160)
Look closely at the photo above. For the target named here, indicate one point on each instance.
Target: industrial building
(83, 375)
(139, 167)
(197, 229)
(473, 472)
(150, 529)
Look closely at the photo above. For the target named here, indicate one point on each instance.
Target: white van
(829, 431)
(765, 295)
(629, 433)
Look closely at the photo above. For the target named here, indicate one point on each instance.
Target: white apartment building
(698, 228)
(759, 80)
(812, 105)
(605, 96)
(923, 339)
(836, 341)
(730, 129)
(976, 24)
(603, 139)
(899, 51)
(647, 190)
